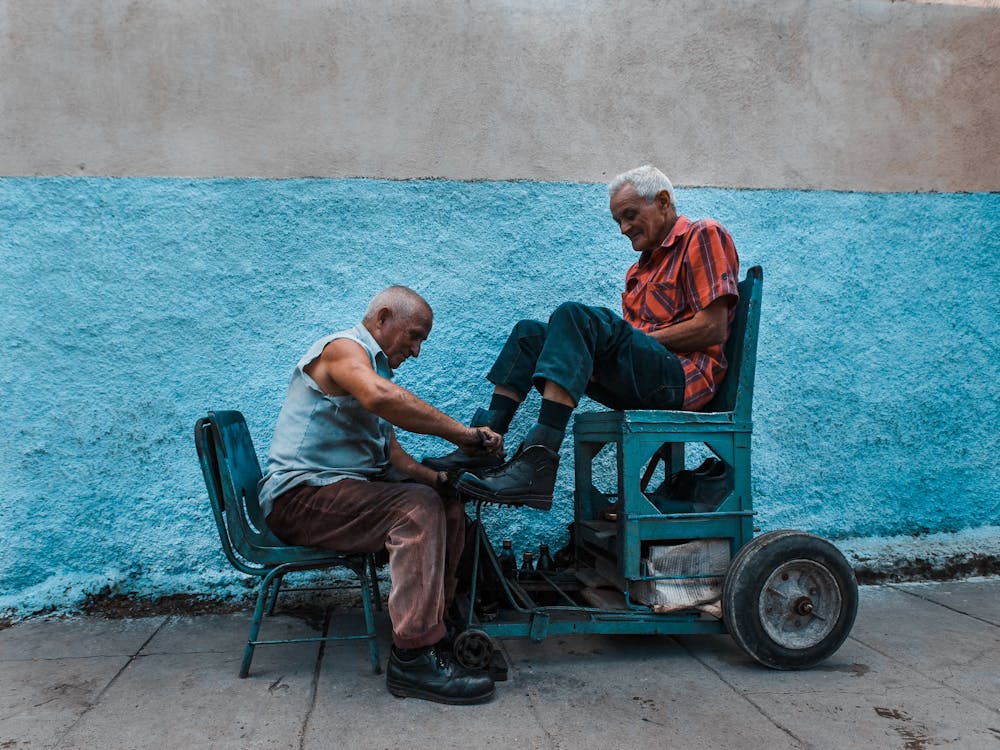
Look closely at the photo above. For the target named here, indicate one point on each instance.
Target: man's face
(400, 335)
(645, 224)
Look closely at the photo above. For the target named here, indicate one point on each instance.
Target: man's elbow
(716, 322)
(711, 333)
(720, 332)
(377, 398)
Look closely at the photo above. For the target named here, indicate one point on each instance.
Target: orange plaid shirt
(695, 265)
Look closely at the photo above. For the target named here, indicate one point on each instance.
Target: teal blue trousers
(593, 351)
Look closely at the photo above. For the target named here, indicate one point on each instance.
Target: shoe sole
(404, 691)
(538, 502)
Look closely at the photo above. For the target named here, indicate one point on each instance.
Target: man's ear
(383, 315)
(663, 199)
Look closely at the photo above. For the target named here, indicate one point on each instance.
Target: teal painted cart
(788, 598)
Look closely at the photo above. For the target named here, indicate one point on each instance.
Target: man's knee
(527, 329)
(423, 501)
(575, 311)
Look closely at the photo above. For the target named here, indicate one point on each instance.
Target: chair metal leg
(366, 603)
(373, 577)
(268, 592)
(258, 615)
(274, 596)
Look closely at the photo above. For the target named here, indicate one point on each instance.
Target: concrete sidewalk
(921, 669)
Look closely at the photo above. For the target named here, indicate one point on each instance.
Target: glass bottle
(545, 562)
(508, 563)
(527, 567)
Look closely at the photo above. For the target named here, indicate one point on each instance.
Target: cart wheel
(473, 649)
(789, 599)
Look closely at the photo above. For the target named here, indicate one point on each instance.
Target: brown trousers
(423, 532)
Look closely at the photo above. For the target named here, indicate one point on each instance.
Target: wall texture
(836, 94)
(132, 306)
(140, 289)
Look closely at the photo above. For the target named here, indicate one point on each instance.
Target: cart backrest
(736, 392)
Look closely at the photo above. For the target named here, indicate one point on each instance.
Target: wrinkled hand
(445, 481)
(492, 442)
(482, 440)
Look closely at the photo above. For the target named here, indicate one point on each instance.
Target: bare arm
(344, 368)
(707, 328)
(409, 465)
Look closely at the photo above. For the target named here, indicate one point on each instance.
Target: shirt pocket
(661, 302)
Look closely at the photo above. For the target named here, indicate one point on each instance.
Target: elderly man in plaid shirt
(664, 352)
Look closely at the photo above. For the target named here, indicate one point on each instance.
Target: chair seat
(272, 556)
(295, 553)
(650, 421)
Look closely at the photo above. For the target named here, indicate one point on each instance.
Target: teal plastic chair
(232, 471)
(644, 438)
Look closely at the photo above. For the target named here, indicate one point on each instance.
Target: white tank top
(320, 439)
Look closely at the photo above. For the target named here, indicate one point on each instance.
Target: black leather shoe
(458, 460)
(529, 478)
(679, 486)
(697, 491)
(683, 485)
(714, 482)
(434, 675)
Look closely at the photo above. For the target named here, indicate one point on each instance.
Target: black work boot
(713, 483)
(529, 478)
(696, 490)
(432, 674)
(460, 460)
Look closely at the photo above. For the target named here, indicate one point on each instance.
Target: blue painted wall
(132, 306)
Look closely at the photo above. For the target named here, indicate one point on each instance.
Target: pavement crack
(534, 712)
(930, 677)
(906, 590)
(802, 743)
(112, 681)
(532, 707)
(314, 684)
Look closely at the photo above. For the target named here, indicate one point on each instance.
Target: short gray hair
(399, 299)
(647, 180)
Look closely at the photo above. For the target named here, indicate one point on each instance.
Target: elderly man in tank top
(338, 479)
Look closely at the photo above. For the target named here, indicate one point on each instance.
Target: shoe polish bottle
(508, 563)
(527, 571)
(545, 562)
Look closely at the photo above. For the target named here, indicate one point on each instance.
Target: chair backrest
(736, 392)
(232, 471)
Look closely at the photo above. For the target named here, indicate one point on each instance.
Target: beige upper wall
(842, 94)
(983, 3)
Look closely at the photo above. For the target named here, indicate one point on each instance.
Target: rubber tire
(743, 587)
(473, 649)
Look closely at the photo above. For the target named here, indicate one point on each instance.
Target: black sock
(551, 427)
(542, 434)
(554, 415)
(503, 409)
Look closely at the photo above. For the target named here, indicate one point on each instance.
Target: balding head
(400, 320)
(401, 300)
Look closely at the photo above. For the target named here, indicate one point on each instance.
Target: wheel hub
(799, 604)
(804, 605)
